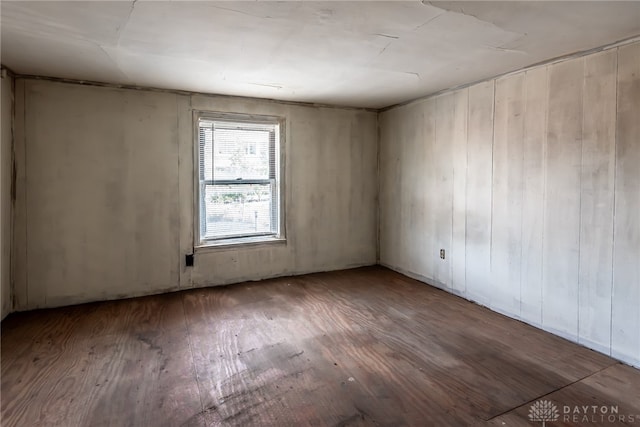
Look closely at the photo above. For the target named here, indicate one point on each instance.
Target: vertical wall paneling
(19, 254)
(389, 188)
(507, 194)
(625, 327)
(342, 183)
(445, 119)
(478, 195)
(363, 167)
(7, 85)
(596, 200)
(459, 163)
(412, 197)
(534, 142)
(186, 185)
(407, 199)
(428, 187)
(310, 173)
(550, 197)
(102, 180)
(562, 192)
(105, 194)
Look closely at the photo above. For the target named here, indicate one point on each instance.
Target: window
(239, 178)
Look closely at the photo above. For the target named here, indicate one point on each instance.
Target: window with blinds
(238, 178)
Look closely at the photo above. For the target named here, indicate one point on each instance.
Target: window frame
(279, 176)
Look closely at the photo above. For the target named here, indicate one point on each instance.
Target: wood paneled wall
(6, 171)
(531, 184)
(105, 193)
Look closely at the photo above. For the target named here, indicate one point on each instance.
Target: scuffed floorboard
(348, 348)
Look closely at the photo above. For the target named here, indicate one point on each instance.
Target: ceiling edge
(562, 58)
(184, 92)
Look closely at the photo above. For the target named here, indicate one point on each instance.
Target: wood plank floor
(349, 348)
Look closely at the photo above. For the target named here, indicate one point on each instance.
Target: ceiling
(360, 54)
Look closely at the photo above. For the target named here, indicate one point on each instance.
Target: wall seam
(544, 192)
(584, 85)
(25, 198)
(12, 287)
(615, 181)
(466, 191)
(379, 186)
(180, 225)
(525, 95)
(493, 141)
(466, 183)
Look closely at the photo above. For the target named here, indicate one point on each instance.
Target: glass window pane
(241, 153)
(238, 151)
(237, 210)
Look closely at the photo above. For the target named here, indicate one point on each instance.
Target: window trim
(248, 240)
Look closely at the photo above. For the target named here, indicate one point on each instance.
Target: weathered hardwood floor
(350, 348)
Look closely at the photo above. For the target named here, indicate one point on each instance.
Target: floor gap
(551, 392)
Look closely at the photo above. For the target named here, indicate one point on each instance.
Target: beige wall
(531, 183)
(105, 193)
(6, 93)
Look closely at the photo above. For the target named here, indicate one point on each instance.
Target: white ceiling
(363, 54)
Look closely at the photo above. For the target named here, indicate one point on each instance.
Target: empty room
(320, 213)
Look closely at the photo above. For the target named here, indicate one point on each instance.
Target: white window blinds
(238, 176)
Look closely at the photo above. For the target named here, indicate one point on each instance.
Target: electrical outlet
(188, 260)
(441, 253)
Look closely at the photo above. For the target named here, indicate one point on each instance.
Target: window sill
(240, 243)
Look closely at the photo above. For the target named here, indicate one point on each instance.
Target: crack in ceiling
(120, 28)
